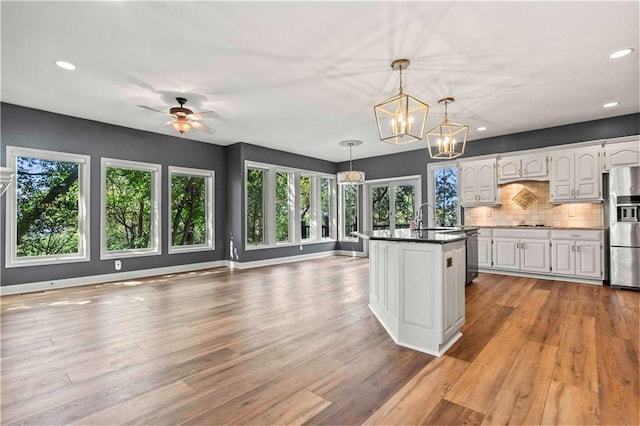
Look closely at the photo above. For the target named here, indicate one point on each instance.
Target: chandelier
(351, 176)
(401, 118)
(448, 139)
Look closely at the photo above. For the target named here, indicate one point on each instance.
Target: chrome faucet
(419, 214)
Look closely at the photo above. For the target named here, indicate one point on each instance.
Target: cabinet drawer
(576, 234)
(537, 234)
(484, 232)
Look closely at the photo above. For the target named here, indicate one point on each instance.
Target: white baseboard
(119, 276)
(280, 260)
(350, 253)
(549, 277)
(105, 278)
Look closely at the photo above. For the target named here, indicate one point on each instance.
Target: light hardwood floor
(296, 343)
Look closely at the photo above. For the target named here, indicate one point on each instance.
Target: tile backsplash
(539, 212)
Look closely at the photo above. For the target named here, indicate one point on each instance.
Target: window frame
(342, 216)
(156, 232)
(431, 187)
(209, 176)
(265, 206)
(295, 231)
(84, 173)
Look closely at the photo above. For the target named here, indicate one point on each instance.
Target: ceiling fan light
(181, 125)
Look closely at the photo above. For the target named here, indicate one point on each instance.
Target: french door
(392, 204)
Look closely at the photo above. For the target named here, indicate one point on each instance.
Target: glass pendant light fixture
(448, 139)
(401, 118)
(352, 176)
(181, 124)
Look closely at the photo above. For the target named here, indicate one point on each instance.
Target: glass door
(392, 204)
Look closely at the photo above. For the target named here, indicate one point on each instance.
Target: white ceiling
(301, 76)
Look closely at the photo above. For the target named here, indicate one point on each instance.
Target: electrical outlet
(118, 265)
(300, 247)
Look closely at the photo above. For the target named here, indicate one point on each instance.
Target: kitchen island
(416, 286)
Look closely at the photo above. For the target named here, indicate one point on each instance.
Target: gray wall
(246, 152)
(29, 128)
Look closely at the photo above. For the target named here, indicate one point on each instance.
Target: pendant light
(401, 119)
(350, 177)
(448, 139)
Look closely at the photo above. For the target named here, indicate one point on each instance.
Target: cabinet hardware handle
(577, 248)
(573, 248)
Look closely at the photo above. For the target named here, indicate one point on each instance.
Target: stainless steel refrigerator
(624, 227)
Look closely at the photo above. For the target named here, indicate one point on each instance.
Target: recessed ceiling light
(620, 53)
(610, 104)
(482, 129)
(66, 65)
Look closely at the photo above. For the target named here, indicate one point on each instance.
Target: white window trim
(431, 186)
(341, 219)
(156, 178)
(84, 173)
(333, 208)
(209, 176)
(295, 231)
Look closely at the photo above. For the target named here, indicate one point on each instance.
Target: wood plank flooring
(296, 344)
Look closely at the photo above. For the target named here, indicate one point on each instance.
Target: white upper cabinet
(478, 184)
(622, 152)
(523, 167)
(575, 175)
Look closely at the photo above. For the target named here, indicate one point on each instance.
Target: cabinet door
(534, 255)
(534, 166)
(588, 259)
(484, 252)
(625, 154)
(506, 253)
(468, 183)
(487, 182)
(563, 257)
(587, 175)
(509, 169)
(562, 176)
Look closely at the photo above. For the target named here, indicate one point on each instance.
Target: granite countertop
(417, 235)
(595, 228)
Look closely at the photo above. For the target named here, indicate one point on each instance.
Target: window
(255, 204)
(191, 207)
(392, 203)
(444, 192)
(404, 205)
(349, 211)
(47, 208)
(130, 213)
(305, 208)
(285, 206)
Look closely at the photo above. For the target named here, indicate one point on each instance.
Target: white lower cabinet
(521, 250)
(577, 253)
(484, 248)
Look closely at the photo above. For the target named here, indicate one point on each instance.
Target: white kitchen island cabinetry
(416, 289)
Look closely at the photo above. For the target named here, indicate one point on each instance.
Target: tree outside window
(404, 205)
(350, 202)
(128, 209)
(446, 194)
(47, 193)
(282, 206)
(380, 207)
(305, 207)
(255, 206)
(325, 205)
(188, 210)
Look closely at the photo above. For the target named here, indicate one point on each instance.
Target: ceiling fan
(184, 119)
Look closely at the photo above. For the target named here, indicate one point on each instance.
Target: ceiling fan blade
(202, 127)
(203, 114)
(153, 109)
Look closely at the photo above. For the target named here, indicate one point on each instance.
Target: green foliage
(305, 206)
(128, 208)
(405, 205)
(325, 204)
(380, 207)
(282, 206)
(350, 209)
(188, 210)
(255, 206)
(446, 189)
(47, 207)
